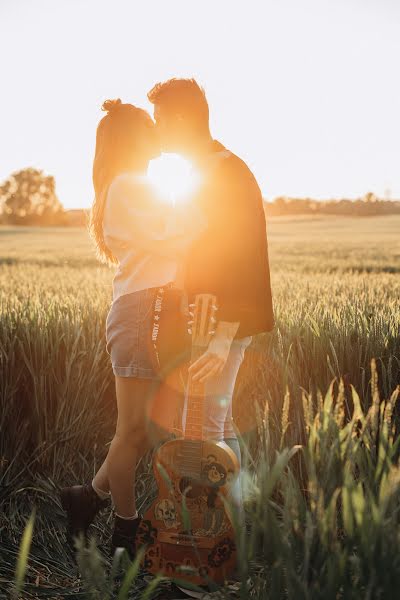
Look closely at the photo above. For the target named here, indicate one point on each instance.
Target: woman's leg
(117, 473)
(100, 481)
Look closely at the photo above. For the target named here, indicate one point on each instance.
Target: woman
(147, 239)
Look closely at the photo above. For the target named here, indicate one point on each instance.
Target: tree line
(368, 205)
(28, 197)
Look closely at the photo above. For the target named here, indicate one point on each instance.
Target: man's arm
(213, 360)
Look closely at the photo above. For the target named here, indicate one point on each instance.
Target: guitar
(187, 532)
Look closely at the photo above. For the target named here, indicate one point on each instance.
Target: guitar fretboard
(194, 401)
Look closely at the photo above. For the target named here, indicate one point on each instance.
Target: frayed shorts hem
(135, 372)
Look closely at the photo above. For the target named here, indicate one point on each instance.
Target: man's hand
(213, 360)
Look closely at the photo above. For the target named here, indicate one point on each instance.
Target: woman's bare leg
(117, 473)
(100, 481)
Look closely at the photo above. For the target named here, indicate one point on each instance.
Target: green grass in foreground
(338, 538)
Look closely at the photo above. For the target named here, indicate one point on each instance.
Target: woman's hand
(214, 359)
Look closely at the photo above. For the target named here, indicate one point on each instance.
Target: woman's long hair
(125, 141)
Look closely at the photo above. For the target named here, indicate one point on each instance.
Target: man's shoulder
(235, 170)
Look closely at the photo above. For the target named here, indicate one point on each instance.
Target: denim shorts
(128, 335)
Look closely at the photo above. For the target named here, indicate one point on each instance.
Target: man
(230, 259)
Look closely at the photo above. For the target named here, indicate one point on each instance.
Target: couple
(213, 243)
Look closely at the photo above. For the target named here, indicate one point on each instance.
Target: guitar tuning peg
(191, 313)
(192, 305)
(189, 331)
(212, 332)
(214, 307)
(213, 320)
(190, 322)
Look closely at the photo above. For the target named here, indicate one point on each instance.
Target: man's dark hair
(182, 96)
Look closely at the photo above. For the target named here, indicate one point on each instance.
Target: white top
(147, 236)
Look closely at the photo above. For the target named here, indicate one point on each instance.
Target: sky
(307, 92)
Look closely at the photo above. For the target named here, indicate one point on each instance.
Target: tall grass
(336, 532)
(313, 509)
(336, 537)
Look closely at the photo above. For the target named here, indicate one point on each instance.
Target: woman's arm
(133, 216)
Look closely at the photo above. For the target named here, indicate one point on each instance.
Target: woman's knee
(134, 403)
(130, 436)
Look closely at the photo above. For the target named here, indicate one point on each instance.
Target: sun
(173, 176)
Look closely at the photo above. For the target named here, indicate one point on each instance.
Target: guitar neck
(194, 398)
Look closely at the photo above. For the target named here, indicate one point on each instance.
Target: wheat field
(315, 401)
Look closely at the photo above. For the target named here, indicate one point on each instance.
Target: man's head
(181, 114)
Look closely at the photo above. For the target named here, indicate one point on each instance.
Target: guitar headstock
(203, 319)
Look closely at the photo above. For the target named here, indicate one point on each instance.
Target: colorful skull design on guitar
(187, 530)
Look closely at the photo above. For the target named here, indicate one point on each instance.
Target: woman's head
(126, 140)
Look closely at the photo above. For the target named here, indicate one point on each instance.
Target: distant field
(335, 282)
(297, 243)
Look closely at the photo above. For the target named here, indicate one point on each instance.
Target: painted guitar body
(202, 547)
(187, 530)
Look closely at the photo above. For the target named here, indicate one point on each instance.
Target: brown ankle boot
(81, 503)
(124, 535)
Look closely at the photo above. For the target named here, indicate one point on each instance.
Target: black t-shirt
(230, 259)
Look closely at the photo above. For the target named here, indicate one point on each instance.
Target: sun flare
(173, 177)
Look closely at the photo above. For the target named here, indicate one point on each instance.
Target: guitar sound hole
(193, 488)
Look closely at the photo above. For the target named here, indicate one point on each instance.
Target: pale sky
(304, 90)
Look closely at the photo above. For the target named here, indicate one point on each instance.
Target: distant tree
(370, 197)
(28, 197)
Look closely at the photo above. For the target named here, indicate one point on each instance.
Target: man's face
(170, 129)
